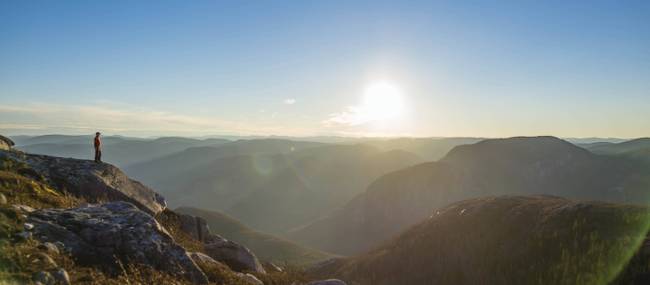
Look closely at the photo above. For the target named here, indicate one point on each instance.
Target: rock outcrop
(117, 231)
(114, 223)
(218, 249)
(95, 182)
(196, 227)
(238, 257)
(5, 143)
(250, 279)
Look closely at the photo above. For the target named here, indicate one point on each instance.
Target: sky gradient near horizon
(463, 68)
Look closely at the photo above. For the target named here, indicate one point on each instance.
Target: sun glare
(383, 101)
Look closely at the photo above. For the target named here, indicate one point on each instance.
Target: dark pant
(98, 155)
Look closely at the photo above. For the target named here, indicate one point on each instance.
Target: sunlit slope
(266, 247)
(510, 240)
(535, 165)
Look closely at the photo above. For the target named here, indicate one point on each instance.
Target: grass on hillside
(590, 244)
(21, 185)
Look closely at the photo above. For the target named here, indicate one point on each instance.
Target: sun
(383, 101)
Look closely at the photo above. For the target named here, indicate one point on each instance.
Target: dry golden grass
(171, 222)
(21, 185)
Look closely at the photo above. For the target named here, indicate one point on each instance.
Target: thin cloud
(123, 119)
(353, 116)
(289, 101)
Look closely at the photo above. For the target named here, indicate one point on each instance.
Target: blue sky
(463, 68)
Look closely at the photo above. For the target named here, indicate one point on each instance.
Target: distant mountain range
(404, 211)
(121, 151)
(521, 166)
(346, 195)
(637, 149)
(272, 185)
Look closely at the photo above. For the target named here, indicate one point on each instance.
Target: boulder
(61, 276)
(44, 260)
(28, 226)
(213, 269)
(49, 248)
(95, 182)
(22, 208)
(115, 232)
(270, 266)
(202, 258)
(5, 143)
(43, 277)
(24, 235)
(327, 282)
(236, 256)
(196, 227)
(250, 279)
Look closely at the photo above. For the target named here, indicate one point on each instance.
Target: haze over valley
(279, 142)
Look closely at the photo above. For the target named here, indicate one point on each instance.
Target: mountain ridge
(516, 166)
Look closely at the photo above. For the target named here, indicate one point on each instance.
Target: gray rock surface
(49, 247)
(250, 278)
(61, 276)
(95, 234)
(22, 208)
(28, 226)
(24, 235)
(196, 227)
(199, 257)
(95, 182)
(270, 266)
(236, 256)
(44, 278)
(5, 143)
(44, 260)
(327, 282)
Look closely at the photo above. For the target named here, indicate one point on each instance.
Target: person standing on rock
(98, 148)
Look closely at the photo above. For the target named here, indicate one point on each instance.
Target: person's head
(97, 134)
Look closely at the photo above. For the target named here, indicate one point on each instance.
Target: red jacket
(98, 142)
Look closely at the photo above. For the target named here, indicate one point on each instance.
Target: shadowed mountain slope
(539, 165)
(510, 240)
(265, 246)
(429, 149)
(314, 182)
(637, 150)
(622, 147)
